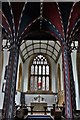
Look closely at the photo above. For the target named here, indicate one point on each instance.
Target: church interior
(39, 60)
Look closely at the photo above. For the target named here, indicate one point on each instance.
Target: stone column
(0, 51)
(72, 86)
(1, 55)
(67, 89)
(78, 66)
(9, 98)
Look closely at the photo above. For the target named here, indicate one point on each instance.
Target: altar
(39, 106)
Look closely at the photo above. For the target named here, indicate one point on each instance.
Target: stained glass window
(32, 69)
(35, 84)
(47, 70)
(39, 83)
(43, 85)
(47, 83)
(40, 74)
(31, 83)
(43, 69)
(36, 69)
(39, 69)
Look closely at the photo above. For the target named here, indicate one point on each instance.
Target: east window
(39, 74)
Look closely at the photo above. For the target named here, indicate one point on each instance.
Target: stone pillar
(72, 86)
(67, 89)
(9, 98)
(78, 66)
(0, 49)
(1, 62)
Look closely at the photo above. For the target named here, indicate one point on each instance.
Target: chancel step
(38, 117)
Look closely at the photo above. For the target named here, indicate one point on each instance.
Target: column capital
(15, 46)
(66, 49)
(78, 47)
(9, 44)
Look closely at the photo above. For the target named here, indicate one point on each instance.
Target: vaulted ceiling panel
(49, 53)
(30, 13)
(74, 18)
(17, 8)
(65, 8)
(43, 45)
(24, 52)
(50, 28)
(26, 56)
(50, 48)
(40, 46)
(6, 25)
(51, 43)
(7, 13)
(52, 13)
(57, 47)
(22, 46)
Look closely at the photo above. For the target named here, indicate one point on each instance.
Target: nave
(40, 60)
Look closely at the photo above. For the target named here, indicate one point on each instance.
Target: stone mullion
(72, 86)
(68, 102)
(9, 98)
